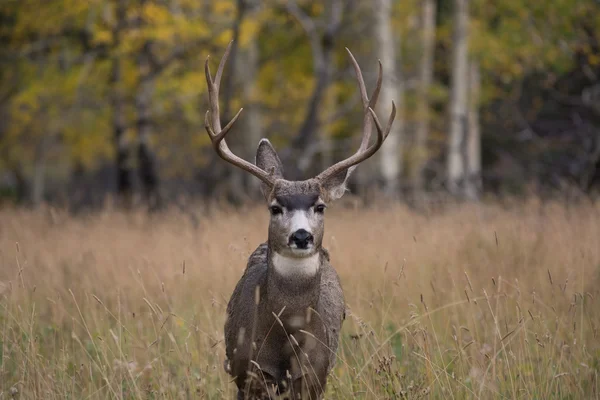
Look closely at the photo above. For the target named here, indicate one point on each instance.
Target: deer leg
(306, 388)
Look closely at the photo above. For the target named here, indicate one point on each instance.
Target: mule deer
(285, 314)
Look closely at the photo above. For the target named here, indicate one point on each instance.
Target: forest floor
(483, 301)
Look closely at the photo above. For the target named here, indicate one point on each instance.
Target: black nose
(301, 238)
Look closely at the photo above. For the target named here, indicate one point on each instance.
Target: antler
(364, 151)
(212, 123)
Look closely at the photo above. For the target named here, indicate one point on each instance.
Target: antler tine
(364, 143)
(214, 85)
(360, 156)
(367, 103)
(383, 134)
(212, 123)
(222, 64)
(375, 96)
(364, 151)
(361, 82)
(217, 138)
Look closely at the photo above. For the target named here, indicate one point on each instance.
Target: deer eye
(275, 210)
(320, 208)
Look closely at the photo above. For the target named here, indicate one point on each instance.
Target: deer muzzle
(301, 239)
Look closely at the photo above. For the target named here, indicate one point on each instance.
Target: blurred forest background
(105, 99)
(102, 106)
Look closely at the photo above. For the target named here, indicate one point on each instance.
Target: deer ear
(335, 185)
(268, 160)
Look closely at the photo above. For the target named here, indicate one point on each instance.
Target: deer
(285, 314)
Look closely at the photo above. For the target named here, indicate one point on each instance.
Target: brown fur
(282, 329)
(300, 367)
(286, 312)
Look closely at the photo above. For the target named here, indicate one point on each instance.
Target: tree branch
(311, 30)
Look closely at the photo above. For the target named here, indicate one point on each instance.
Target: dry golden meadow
(489, 301)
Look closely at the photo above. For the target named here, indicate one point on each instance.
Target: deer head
(297, 207)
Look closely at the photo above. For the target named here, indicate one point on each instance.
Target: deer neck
(294, 282)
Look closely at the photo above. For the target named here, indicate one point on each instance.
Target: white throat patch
(290, 266)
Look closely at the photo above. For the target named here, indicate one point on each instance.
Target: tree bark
(392, 88)
(473, 182)
(248, 69)
(148, 69)
(238, 141)
(124, 181)
(456, 165)
(330, 105)
(228, 82)
(21, 184)
(425, 79)
(147, 168)
(323, 46)
(38, 182)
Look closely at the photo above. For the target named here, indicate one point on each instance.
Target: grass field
(472, 302)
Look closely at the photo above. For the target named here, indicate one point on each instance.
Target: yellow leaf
(224, 7)
(224, 38)
(153, 13)
(102, 37)
(248, 31)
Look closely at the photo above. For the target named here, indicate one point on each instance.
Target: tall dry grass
(472, 302)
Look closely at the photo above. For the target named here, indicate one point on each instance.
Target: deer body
(286, 312)
(299, 364)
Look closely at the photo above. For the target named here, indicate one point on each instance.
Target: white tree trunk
(390, 155)
(473, 181)
(458, 99)
(425, 78)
